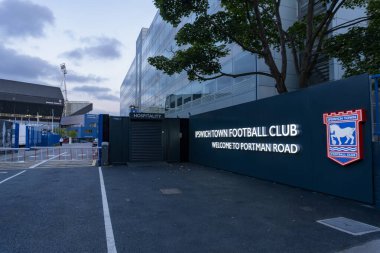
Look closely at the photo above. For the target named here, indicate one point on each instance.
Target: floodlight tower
(64, 88)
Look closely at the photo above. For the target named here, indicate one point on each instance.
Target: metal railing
(36, 154)
(244, 87)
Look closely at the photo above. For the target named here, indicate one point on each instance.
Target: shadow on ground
(161, 207)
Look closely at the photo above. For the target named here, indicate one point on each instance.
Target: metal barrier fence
(48, 153)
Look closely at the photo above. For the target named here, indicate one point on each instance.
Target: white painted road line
(3, 172)
(44, 161)
(12, 176)
(111, 247)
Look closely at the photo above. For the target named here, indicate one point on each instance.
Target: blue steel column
(16, 134)
(100, 137)
(27, 137)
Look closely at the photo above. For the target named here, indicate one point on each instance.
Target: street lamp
(64, 72)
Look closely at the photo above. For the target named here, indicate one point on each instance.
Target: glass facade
(153, 91)
(128, 90)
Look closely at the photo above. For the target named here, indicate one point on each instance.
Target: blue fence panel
(27, 137)
(33, 137)
(16, 131)
(53, 139)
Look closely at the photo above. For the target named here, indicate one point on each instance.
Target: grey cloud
(70, 34)
(100, 93)
(99, 111)
(23, 19)
(98, 48)
(73, 77)
(74, 54)
(24, 66)
(27, 68)
(91, 89)
(108, 97)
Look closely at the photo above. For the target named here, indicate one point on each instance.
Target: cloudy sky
(94, 38)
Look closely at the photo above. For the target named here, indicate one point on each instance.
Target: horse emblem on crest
(344, 135)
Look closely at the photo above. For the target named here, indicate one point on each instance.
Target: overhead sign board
(146, 116)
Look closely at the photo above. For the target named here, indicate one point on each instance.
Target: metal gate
(145, 141)
(77, 155)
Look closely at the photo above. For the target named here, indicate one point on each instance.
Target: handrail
(5, 149)
(61, 147)
(56, 147)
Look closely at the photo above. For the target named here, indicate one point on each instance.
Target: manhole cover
(349, 226)
(170, 191)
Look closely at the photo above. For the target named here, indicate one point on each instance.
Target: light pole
(64, 72)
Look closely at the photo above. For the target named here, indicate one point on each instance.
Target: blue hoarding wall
(49, 139)
(33, 137)
(90, 129)
(16, 132)
(300, 158)
(36, 137)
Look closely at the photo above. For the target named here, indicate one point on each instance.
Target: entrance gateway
(318, 139)
(145, 137)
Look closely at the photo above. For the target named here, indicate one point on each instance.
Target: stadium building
(151, 90)
(77, 107)
(30, 103)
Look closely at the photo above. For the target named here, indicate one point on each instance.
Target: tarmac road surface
(159, 207)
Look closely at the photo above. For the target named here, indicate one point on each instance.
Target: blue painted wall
(309, 169)
(89, 128)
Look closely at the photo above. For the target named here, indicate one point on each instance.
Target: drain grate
(170, 191)
(349, 226)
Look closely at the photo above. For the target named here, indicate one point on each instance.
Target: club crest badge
(344, 135)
